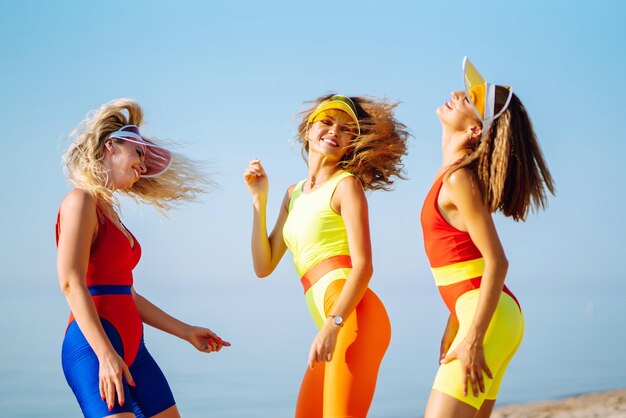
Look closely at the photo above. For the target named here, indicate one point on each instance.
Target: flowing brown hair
(376, 154)
(83, 162)
(509, 164)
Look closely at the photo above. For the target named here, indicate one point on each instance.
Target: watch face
(337, 320)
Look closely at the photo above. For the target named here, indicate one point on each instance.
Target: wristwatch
(337, 319)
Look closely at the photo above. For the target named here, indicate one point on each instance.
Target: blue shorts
(151, 395)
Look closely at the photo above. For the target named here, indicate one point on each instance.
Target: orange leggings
(344, 386)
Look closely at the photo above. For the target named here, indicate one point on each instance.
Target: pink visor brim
(157, 159)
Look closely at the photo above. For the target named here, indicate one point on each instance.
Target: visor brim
(156, 159)
(336, 105)
(475, 87)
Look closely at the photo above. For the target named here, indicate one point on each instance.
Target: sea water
(573, 344)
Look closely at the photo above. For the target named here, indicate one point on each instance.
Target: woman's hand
(471, 355)
(204, 339)
(324, 343)
(112, 370)
(452, 328)
(256, 179)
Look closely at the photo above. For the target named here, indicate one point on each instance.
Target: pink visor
(157, 160)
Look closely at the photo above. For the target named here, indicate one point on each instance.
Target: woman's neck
(453, 147)
(320, 171)
(108, 209)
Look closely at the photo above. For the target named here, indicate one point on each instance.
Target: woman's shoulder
(289, 195)
(462, 187)
(349, 181)
(78, 212)
(292, 188)
(460, 179)
(78, 201)
(349, 187)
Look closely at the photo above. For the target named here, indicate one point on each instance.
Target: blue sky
(226, 79)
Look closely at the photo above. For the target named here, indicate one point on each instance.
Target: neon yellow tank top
(313, 231)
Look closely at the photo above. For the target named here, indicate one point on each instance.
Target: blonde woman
(104, 358)
(351, 144)
(491, 162)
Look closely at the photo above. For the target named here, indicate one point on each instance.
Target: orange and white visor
(482, 95)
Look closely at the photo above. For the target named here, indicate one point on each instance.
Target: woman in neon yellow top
(351, 144)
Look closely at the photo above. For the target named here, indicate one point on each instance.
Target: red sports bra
(111, 259)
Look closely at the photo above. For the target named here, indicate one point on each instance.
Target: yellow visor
(337, 102)
(482, 95)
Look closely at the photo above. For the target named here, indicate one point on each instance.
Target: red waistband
(452, 292)
(320, 269)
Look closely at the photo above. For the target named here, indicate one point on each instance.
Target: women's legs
(486, 409)
(441, 405)
(311, 396)
(350, 377)
(171, 412)
(81, 369)
(152, 393)
(501, 341)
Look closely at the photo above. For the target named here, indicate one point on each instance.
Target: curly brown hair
(509, 164)
(376, 154)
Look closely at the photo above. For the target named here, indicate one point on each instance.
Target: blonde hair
(83, 161)
(376, 154)
(509, 164)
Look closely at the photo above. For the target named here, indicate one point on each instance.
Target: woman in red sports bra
(104, 358)
(491, 162)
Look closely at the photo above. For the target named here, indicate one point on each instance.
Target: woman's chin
(327, 151)
(126, 185)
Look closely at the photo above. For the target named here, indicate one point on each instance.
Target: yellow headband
(337, 102)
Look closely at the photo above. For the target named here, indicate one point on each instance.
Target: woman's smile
(330, 142)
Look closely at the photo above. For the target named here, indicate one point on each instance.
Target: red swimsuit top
(111, 258)
(444, 243)
(110, 268)
(455, 261)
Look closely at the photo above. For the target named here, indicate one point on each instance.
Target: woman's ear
(108, 145)
(475, 132)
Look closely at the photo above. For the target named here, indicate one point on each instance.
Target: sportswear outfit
(109, 280)
(457, 266)
(316, 236)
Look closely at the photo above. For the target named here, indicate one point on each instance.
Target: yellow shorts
(502, 340)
